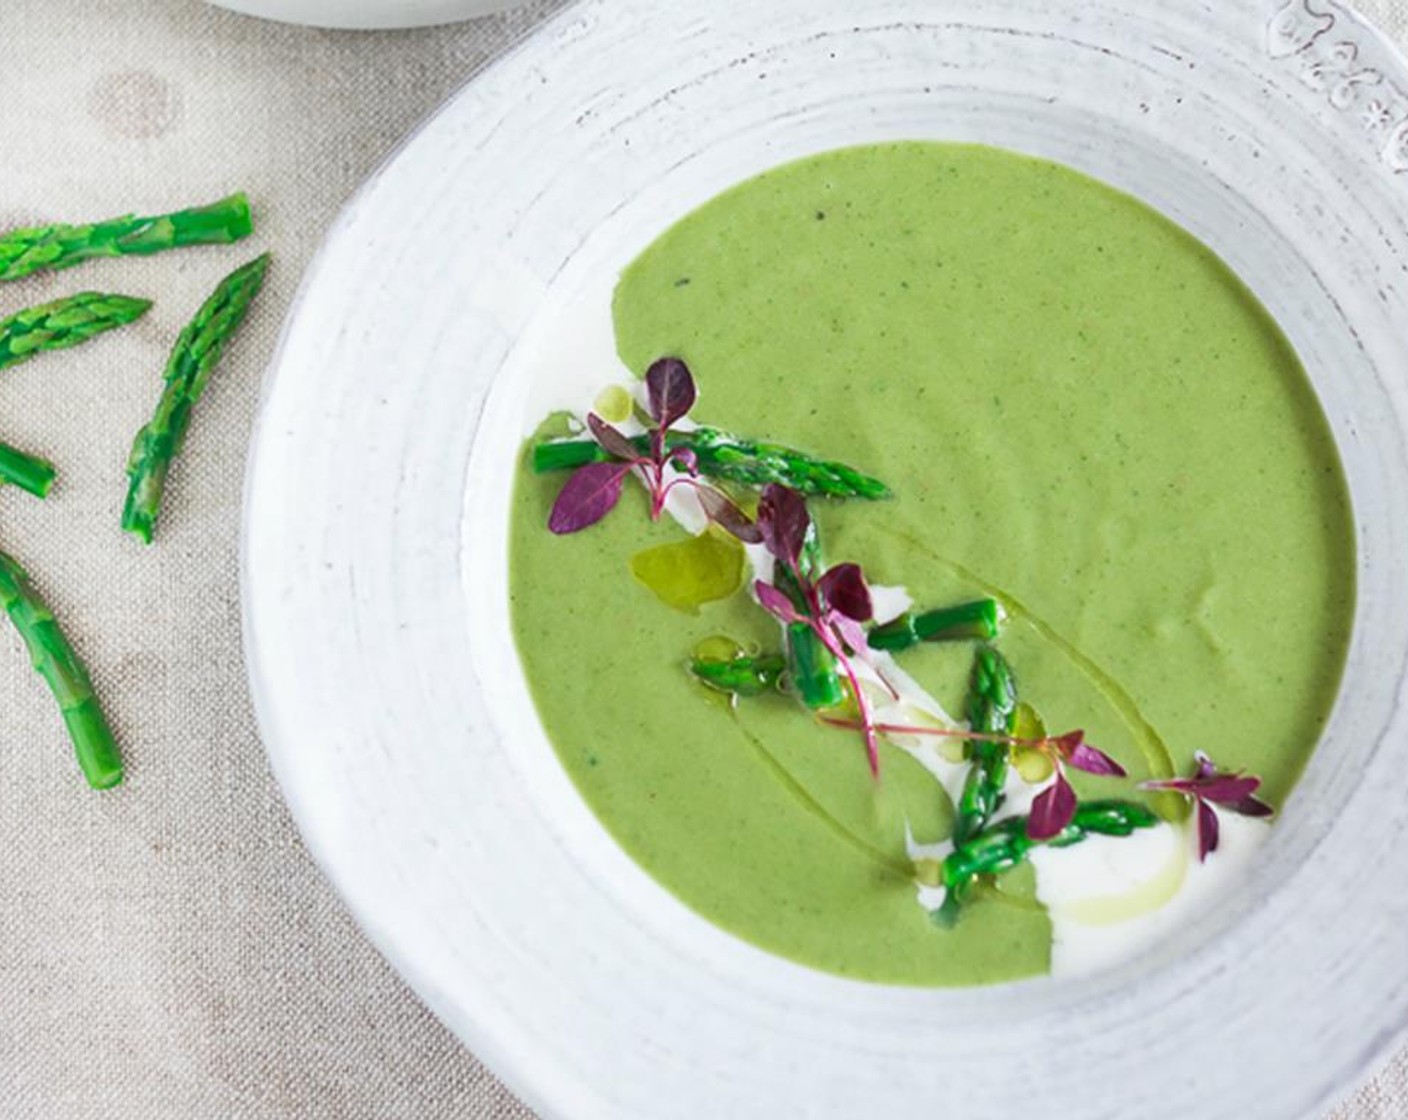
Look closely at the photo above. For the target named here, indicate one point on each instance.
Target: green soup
(1076, 405)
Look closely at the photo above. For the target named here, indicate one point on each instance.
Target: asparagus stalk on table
(1005, 845)
(194, 358)
(28, 472)
(65, 322)
(24, 251)
(992, 709)
(730, 459)
(56, 661)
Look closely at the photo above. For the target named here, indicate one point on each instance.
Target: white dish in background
(366, 15)
(393, 708)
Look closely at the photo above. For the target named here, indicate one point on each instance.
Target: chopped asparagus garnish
(814, 670)
(1005, 845)
(740, 676)
(978, 620)
(723, 456)
(64, 322)
(56, 661)
(756, 464)
(28, 472)
(992, 708)
(815, 673)
(23, 251)
(196, 354)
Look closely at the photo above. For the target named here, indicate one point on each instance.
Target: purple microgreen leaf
(728, 516)
(1053, 810)
(783, 520)
(612, 440)
(1251, 807)
(589, 495)
(844, 589)
(1208, 831)
(1206, 767)
(1090, 759)
(775, 602)
(685, 459)
(1228, 789)
(852, 633)
(669, 388)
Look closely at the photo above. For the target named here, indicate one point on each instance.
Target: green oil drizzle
(1148, 896)
(811, 805)
(614, 404)
(687, 574)
(1151, 743)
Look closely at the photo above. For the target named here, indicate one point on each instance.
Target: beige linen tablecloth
(168, 951)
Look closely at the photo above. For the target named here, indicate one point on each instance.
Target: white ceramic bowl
(365, 15)
(375, 578)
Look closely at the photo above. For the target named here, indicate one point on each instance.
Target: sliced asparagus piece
(723, 456)
(28, 472)
(23, 251)
(992, 708)
(196, 354)
(815, 672)
(56, 661)
(64, 322)
(740, 676)
(978, 620)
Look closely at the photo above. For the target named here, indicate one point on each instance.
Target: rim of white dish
(301, 697)
(366, 15)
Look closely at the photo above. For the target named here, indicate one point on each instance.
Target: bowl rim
(366, 15)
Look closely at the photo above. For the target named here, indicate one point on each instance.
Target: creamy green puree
(1076, 405)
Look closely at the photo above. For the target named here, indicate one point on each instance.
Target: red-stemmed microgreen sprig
(1055, 807)
(594, 490)
(1211, 789)
(834, 605)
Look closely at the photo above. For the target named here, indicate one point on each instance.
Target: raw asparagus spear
(723, 456)
(196, 354)
(740, 676)
(65, 322)
(1005, 845)
(56, 661)
(992, 708)
(28, 472)
(23, 251)
(953, 624)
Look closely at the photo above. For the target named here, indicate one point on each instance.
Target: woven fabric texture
(169, 951)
